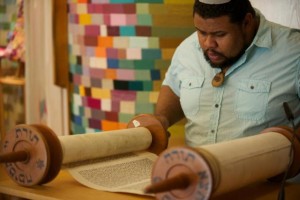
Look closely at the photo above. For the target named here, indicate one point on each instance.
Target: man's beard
(227, 62)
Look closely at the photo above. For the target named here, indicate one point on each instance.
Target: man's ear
(248, 20)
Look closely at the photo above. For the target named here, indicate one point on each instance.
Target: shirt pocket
(190, 95)
(251, 99)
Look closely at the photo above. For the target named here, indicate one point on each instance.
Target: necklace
(219, 78)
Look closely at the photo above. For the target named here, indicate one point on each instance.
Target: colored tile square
(125, 74)
(109, 125)
(121, 85)
(121, 56)
(96, 82)
(105, 41)
(135, 85)
(97, 114)
(153, 97)
(86, 81)
(106, 105)
(85, 19)
(131, 19)
(100, 52)
(97, 73)
(113, 63)
(92, 30)
(144, 20)
(127, 107)
(129, 8)
(144, 64)
(138, 42)
(112, 53)
(77, 100)
(143, 30)
(100, 94)
(107, 84)
(76, 119)
(125, 118)
(118, 19)
(155, 74)
(93, 103)
(134, 53)
(115, 106)
(81, 8)
(94, 123)
(97, 19)
(142, 96)
(142, 8)
(127, 31)
(113, 30)
(147, 85)
(75, 109)
(142, 75)
(151, 54)
(144, 108)
(98, 63)
(111, 116)
(119, 95)
(81, 91)
(121, 42)
(87, 113)
(126, 64)
(110, 74)
(77, 129)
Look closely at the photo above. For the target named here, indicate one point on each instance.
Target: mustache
(213, 51)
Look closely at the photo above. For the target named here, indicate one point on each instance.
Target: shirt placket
(215, 116)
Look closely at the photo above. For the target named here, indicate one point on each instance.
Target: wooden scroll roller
(210, 170)
(33, 154)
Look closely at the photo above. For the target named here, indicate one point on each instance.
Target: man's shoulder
(285, 34)
(191, 40)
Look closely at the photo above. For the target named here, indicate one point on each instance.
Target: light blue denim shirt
(254, 90)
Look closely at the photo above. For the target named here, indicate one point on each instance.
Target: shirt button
(216, 105)
(212, 131)
(252, 87)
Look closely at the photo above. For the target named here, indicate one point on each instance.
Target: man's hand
(157, 126)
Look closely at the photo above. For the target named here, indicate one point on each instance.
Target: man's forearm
(168, 107)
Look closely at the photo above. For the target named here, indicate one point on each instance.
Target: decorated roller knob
(184, 173)
(29, 157)
(181, 173)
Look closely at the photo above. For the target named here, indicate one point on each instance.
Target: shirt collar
(263, 37)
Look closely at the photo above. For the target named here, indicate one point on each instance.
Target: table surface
(65, 187)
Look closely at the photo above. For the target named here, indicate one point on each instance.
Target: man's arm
(168, 108)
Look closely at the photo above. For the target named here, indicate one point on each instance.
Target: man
(230, 78)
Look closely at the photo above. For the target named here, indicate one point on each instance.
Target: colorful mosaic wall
(8, 15)
(119, 53)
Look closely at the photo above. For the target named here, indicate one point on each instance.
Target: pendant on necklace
(218, 79)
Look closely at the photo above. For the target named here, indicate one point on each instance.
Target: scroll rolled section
(227, 166)
(97, 145)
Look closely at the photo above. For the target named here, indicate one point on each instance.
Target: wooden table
(66, 188)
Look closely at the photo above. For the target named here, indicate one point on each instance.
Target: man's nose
(210, 42)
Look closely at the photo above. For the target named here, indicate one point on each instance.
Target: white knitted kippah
(214, 1)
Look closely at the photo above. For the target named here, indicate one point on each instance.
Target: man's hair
(235, 9)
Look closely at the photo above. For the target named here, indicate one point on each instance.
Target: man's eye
(220, 34)
(202, 33)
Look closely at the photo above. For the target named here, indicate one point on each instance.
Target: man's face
(223, 42)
